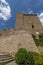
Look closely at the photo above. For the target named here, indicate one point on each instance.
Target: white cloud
(5, 10)
(30, 11)
(41, 17)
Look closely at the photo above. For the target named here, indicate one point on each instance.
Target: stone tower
(28, 22)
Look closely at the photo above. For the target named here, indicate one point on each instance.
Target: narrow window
(33, 26)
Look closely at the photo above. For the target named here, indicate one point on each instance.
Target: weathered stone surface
(40, 48)
(17, 39)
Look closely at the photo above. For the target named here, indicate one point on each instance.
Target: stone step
(5, 58)
(1, 59)
(5, 61)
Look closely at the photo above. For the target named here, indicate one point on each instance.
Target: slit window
(33, 26)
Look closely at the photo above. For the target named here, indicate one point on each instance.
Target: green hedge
(24, 57)
(20, 56)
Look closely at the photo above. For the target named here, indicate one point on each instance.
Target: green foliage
(41, 57)
(30, 58)
(33, 58)
(25, 57)
(20, 56)
(36, 58)
(40, 41)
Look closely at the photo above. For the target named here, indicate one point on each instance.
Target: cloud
(5, 10)
(30, 11)
(41, 17)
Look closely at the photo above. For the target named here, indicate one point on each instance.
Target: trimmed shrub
(20, 56)
(25, 57)
(30, 58)
(33, 58)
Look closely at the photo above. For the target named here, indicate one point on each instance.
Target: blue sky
(9, 8)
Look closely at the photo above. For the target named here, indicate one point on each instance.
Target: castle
(21, 36)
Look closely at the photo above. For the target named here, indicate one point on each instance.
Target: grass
(39, 42)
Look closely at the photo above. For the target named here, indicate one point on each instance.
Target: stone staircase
(5, 58)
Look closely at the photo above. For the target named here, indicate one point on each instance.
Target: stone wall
(14, 40)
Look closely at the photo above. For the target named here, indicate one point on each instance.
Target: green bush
(33, 58)
(20, 56)
(36, 58)
(28, 57)
(41, 57)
